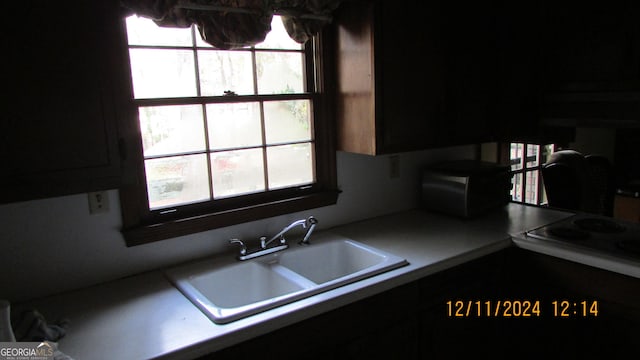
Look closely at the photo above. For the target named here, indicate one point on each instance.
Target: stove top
(596, 233)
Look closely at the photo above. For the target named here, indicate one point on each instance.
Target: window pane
(516, 189)
(237, 172)
(162, 73)
(287, 121)
(234, 125)
(531, 193)
(517, 152)
(279, 73)
(290, 165)
(143, 31)
(278, 37)
(177, 180)
(222, 71)
(533, 152)
(171, 129)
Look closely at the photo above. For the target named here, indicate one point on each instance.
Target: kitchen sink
(227, 293)
(234, 291)
(234, 279)
(345, 260)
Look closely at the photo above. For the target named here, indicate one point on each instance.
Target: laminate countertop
(145, 317)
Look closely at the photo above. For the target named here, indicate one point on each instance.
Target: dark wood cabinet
(61, 99)
(435, 74)
(590, 46)
(391, 76)
(591, 63)
(447, 73)
(517, 56)
(468, 35)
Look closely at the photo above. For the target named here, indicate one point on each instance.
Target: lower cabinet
(626, 208)
(413, 321)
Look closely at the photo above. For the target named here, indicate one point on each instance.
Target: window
(224, 132)
(526, 161)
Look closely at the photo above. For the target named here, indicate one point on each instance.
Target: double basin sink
(226, 293)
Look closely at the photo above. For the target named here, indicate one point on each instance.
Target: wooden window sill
(147, 233)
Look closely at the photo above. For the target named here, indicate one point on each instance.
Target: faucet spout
(280, 235)
(310, 223)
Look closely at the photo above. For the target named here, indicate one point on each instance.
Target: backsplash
(55, 245)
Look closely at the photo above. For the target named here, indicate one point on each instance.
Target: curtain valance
(228, 24)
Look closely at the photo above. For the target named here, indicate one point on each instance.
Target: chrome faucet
(243, 247)
(309, 224)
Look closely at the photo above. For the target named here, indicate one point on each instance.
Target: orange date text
(493, 308)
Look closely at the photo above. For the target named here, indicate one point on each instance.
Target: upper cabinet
(431, 74)
(517, 76)
(467, 32)
(391, 76)
(591, 61)
(62, 74)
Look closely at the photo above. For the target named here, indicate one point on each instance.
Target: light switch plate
(98, 202)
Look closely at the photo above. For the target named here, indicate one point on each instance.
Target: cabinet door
(591, 46)
(59, 108)
(357, 78)
(471, 72)
(517, 75)
(410, 63)
(390, 76)
(415, 76)
(591, 63)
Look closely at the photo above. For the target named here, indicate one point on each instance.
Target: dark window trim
(139, 235)
(141, 226)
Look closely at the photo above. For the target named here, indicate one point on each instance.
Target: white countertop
(145, 317)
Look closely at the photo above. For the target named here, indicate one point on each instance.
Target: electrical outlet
(394, 166)
(98, 202)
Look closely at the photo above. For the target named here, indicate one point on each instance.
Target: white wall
(54, 245)
(599, 141)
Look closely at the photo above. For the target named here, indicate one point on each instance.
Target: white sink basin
(265, 285)
(333, 260)
(228, 293)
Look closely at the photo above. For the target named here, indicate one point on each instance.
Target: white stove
(592, 233)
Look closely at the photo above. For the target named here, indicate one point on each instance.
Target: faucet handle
(243, 247)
